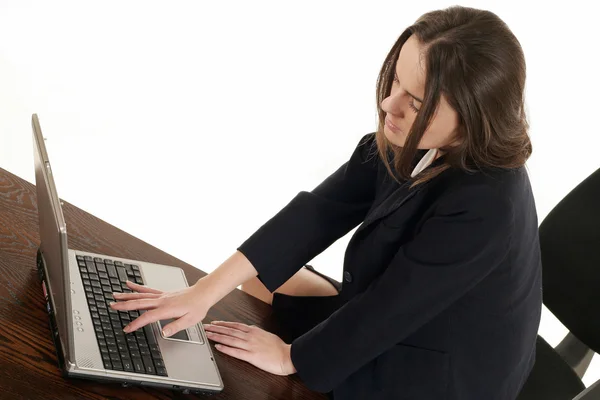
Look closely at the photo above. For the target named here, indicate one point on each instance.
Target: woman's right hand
(187, 306)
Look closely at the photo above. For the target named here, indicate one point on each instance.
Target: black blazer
(442, 288)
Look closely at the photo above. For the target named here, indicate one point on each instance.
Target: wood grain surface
(28, 361)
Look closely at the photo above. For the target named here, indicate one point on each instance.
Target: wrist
(288, 365)
(207, 291)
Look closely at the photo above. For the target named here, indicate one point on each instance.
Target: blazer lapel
(395, 200)
(391, 203)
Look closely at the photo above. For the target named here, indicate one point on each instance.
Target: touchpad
(181, 335)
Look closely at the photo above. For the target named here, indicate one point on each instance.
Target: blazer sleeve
(466, 237)
(313, 220)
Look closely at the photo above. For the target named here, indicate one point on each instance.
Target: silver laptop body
(77, 285)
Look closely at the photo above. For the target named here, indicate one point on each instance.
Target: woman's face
(405, 100)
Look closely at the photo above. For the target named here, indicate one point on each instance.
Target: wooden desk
(28, 361)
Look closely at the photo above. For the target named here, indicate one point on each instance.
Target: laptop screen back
(53, 237)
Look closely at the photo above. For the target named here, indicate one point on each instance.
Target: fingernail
(116, 294)
(126, 329)
(166, 332)
(112, 303)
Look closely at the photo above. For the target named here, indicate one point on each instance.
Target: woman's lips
(392, 127)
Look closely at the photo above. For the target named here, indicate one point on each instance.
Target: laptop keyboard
(133, 352)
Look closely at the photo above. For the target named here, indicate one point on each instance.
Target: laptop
(87, 333)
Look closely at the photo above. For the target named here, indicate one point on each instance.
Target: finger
(135, 296)
(227, 331)
(142, 288)
(235, 325)
(228, 340)
(142, 304)
(241, 354)
(147, 318)
(178, 325)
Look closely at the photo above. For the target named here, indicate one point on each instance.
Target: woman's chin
(396, 139)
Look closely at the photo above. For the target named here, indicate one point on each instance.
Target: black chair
(570, 245)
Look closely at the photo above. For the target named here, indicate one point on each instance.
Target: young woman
(441, 297)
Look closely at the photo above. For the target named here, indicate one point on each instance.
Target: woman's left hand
(252, 344)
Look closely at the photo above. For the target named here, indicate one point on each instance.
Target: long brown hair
(473, 58)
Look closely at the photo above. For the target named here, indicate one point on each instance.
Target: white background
(190, 124)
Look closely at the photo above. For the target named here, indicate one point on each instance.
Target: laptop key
(148, 365)
(107, 291)
(122, 273)
(107, 364)
(101, 268)
(149, 334)
(127, 366)
(103, 312)
(108, 262)
(112, 272)
(159, 363)
(88, 258)
(104, 281)
(102, 275)
(135, 353)
(161, 371)
(135, 267)
(156, 355)
(91, 268)
(117, 366)
(137, 365)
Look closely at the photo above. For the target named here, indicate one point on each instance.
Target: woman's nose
(392, 105)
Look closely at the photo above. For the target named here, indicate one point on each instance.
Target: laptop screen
(53, 237)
